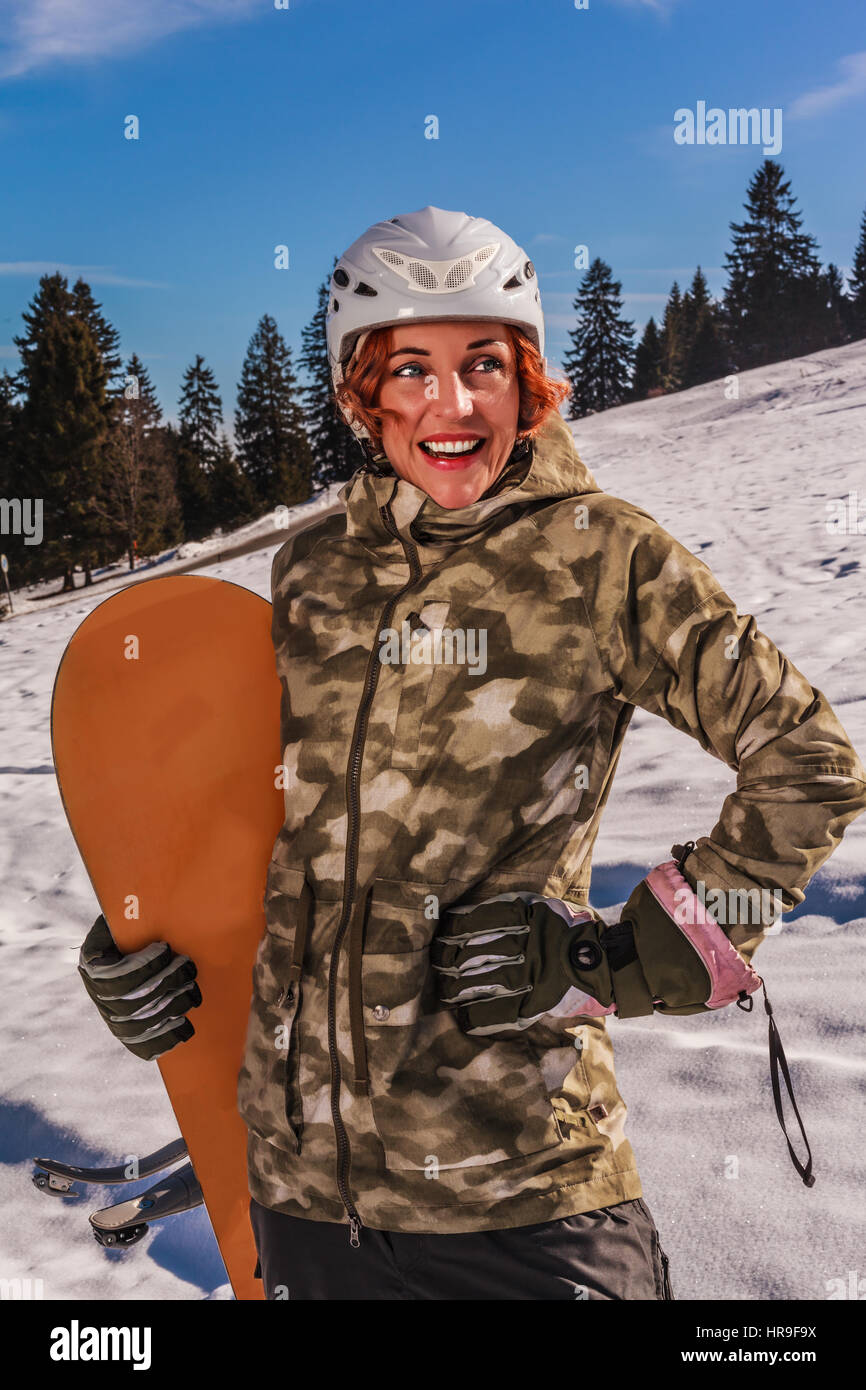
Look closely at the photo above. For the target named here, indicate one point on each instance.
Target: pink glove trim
(729, 974)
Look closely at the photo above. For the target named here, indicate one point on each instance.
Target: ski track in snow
(743, 484)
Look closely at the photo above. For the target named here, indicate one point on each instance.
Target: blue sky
(302, 125)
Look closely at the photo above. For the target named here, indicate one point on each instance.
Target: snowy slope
(743, 483)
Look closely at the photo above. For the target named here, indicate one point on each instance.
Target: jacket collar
(551, 469)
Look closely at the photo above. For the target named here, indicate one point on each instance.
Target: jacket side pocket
(440, 1098)
(266, 1092)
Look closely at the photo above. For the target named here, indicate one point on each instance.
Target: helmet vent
(437, 277)
(340, 277)
(362, 288)
(512, 284)
(458, 274)
(423, 275)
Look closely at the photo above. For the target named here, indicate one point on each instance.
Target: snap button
(380, 1013)
(586, 955)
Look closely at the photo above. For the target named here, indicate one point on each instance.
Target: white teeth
(463, 446)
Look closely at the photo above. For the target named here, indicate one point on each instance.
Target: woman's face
(452, 384)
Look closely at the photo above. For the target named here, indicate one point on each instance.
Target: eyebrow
(423, 352)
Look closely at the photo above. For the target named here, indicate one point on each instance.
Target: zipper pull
(287, 995)
(354, 1232)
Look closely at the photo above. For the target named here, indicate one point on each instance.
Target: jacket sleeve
(672, 642)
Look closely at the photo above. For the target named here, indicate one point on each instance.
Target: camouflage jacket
(415, 781)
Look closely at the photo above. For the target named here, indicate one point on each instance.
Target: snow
(744, 484)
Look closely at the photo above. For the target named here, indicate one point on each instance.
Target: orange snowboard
(166, 739)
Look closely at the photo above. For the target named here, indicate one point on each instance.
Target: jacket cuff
(743, 909)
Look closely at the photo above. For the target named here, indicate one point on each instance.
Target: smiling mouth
(451, 448)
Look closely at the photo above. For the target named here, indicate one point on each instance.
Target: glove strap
(630, 989)
(777, 1060)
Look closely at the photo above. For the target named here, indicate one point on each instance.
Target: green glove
(142, 995)
(519, 957)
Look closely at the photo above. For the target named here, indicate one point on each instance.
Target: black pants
(612, 1253)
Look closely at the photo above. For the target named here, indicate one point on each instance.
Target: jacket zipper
(353, 807)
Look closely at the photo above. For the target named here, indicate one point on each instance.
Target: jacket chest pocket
(426, 642)
(266, 1092)
(440, 1098)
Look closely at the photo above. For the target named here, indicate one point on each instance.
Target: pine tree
(708, 357)
(201, 411)
(233, 500)
(703, 353)
(9, 425)
(9, 421)
(836, 307)
(647, 379)
(63, 425)
(336, 453)
(139, 406)
(137, 502)
(198, 447)
(696, 301)
(773, 302)
(162, 522)
(269, 424)
(673, 352)
(857, 286)
(105, 335)
(602, 352)
(107, 339)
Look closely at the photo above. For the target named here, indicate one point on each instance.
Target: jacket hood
(551, 469)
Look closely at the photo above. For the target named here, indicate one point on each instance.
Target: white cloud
(36, 32)
(852, 83)
(93, 274)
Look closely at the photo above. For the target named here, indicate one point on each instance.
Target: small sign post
(4, 565)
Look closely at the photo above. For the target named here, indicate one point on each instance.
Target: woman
(428, 1081)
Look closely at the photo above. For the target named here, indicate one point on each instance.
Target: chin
(452, 494)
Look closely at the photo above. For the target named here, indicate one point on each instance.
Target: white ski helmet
(428, 265)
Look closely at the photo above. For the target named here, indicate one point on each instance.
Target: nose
(453, 399)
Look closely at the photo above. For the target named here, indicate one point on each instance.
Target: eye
(490, 364)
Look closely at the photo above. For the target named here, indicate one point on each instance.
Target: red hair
(359, 391)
